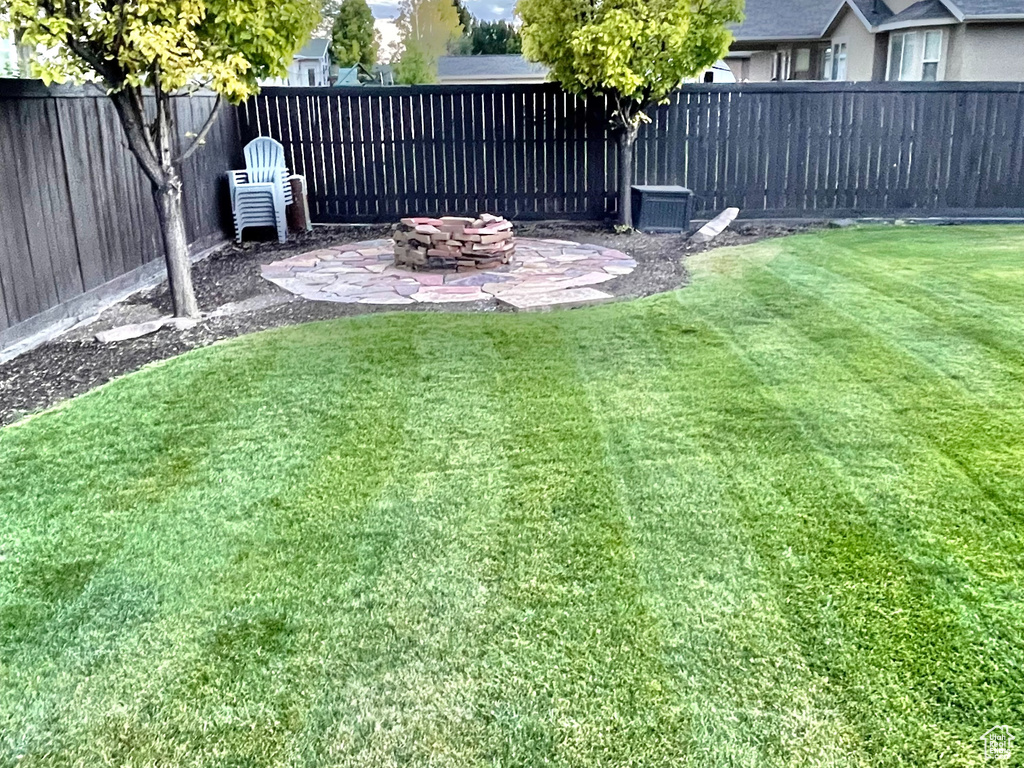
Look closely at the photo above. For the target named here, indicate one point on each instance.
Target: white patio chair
(263, 154)
(260, 193)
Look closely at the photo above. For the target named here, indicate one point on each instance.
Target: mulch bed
(75, 362)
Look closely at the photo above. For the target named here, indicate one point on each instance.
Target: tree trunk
(152, 146)
(171, 214)
(627, 137)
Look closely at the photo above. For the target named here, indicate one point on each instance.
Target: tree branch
(82, 50)
(135, 94)
(134, 125)
(201, 136)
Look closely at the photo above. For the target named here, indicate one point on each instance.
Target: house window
(311, 76)
(932, 54)
(915, 55)
(835, 62)
(803, 60)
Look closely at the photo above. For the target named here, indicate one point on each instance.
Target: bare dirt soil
(229, 280)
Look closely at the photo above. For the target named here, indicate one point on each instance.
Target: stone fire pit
(545, 273)
(454, 242)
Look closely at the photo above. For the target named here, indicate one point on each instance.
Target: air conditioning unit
(661, 208)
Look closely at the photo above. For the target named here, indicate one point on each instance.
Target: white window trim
(781, 69)
(920, 61)
(831, 56)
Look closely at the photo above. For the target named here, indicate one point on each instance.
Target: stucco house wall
(989, 52)
(761, 66)
(981, 39)
(898, 6)
(953, 52)
(860, 45)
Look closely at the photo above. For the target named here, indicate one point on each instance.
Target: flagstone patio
(544, 273)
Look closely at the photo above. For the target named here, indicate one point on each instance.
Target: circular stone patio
(544, 273)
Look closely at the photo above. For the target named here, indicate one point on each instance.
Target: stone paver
(571, 297)
(544, 273)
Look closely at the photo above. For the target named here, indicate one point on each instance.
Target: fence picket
(76, 211)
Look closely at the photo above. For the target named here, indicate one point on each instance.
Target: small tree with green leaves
(413, 67)
(427, 28)
(463, 44)
(153, 49)
(495, 38)
(354, 39)
(465, 17)
(634, 52)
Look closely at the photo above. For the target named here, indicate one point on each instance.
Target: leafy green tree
(462, 45)
(634, 52)
(328, 13)
(427, 28)
(354, 39)
(142, 52)
(495, 37)
(414, 67)
(465, 17)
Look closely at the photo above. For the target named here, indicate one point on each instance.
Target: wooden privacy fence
(771, 149)
(851, 149)
(375, 153)
(75, 209)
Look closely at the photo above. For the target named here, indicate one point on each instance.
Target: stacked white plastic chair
(260, 193)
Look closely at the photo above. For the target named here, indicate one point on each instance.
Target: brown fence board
(76, 211)
(779, 149)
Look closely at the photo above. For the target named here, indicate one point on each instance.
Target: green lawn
(773, 519)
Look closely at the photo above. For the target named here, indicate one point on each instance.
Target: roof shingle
(314, 49)
(807, 19)
(501, 65)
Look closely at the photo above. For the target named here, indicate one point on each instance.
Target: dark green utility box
(661, 209)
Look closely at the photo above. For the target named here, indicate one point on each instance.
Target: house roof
(314, 49)
(921, 12)
(488, 67)
(981, 8)
(810, 19)
(784, 19)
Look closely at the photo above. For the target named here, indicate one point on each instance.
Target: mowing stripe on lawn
(72, 598)
(996, 485)
(577, 675)
(987, 364)
(974, 269)
(235, 493)
(895, 467)
(401, 662)
(832, 534)
(742, 680)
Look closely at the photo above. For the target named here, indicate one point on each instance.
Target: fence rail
(828, 149)
(75, 209)
(76, 212)
(773, 149)
(372, 154)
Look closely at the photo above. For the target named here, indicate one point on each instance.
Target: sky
(385, 11)
(489, 10)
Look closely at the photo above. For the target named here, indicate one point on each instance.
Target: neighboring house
(310, 67)
(346, 75)
(719, 73)
(876, 40)
(501, 69)
(381, 74)
(8, 57)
